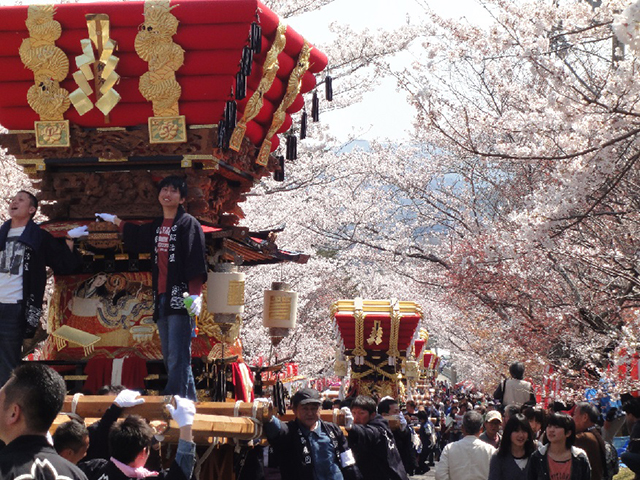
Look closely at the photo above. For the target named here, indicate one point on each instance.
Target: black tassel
(230, 116)
(256, 37)
(328, 88)
(315, 108)
(241, 86)
(292, 147)
(303, 125)
(223, 138)
(278, 175)
(247, 61)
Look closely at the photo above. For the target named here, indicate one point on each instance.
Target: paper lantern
(280, 311)
(225, 290)
(340, 368)
(411, 370)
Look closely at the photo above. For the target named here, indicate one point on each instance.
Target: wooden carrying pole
(205, 427)
(94, 406)
(325, 415)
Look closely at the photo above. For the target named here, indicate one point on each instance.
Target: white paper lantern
(225, 290)
(280, 307)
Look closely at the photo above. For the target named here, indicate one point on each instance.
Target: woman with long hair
(511, 460)
(559, 459)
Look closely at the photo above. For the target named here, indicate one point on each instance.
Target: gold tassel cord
(254, 105)
(293, 89)
(359, 350)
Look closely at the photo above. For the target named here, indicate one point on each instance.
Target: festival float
(376, 339)
(101, 101)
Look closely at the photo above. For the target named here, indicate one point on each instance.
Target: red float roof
(377, 314)
(213, 34)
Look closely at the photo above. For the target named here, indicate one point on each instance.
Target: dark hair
(365, 403)
(536, 414)
(512, 409)
(176, 182)
(129, 437)
(471, 422)
(71, 435)
(39, 391)
(385, 405)
(327, 404)
(516, 423)
(632, 407)
(516, 369)
(110, 390)
(564, 421)
(411, 403)
(32, 200)
(422, 416)
(591, 410)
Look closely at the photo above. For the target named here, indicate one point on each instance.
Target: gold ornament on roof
(50, 66)
(154, 44)
(293, 89)
(98, 66)
(269, 72)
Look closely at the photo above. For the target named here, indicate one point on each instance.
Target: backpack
(611, 466)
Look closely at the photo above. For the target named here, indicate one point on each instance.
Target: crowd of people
(463, 436)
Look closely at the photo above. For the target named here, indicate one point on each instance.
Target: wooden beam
(94, 406)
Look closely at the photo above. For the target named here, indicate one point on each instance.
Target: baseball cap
(304, 396)
(493, 415)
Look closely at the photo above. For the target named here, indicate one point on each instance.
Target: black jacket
(539, 468)
(42, 250)
(31, 456)
(101, 469)
(99, 434)
(291, 458)
(375, 450)
(186, 256)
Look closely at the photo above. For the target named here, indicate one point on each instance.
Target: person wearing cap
(492, 424)
(308, 448)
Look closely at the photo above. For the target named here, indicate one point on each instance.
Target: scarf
(132, 472)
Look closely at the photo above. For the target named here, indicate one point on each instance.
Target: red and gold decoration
(111, 314)
(154, 44)
(98, 66)
(375, 333)
(256, 102)
(50, 66)
(293, 89)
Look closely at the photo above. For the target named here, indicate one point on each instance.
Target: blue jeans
(175, 339)
(11, 333)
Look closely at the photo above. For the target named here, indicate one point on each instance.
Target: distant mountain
(355, 144)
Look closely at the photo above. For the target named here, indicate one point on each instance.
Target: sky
(371, 118)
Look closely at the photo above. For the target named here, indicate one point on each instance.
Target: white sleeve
(442, 467)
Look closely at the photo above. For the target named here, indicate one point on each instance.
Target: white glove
(348, 417)
(78, 232)
(128, 398)
(403, 421)
(184, 413)
(196, 304)
(107, 217)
